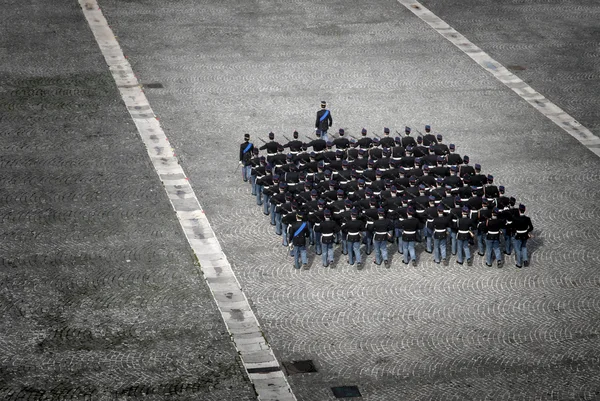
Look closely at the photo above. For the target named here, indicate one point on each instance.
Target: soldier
(381, 231)
(408, 140)
(387, 141)
(410, 226)
(440, 234)
(295, 144)
(429, 138)
(318, 145)
(440, 149)
(464, 169)
(364, 142)
(493, 226)
(491, 191)
(246, 149)
(342, 142)
(522, 228)
(352, 230)
(298, 232)
(453, 159)
(324, 121)
(271, 147)
(464, 227)
(328, 229)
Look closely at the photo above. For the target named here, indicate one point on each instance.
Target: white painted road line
(543, 105)
(260, 363)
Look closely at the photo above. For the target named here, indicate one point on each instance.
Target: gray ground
(99, 293)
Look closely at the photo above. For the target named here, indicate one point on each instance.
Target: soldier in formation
(366, 194)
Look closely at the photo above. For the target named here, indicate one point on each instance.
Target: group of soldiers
(374, 191)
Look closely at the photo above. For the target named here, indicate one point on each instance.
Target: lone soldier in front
(324, 121)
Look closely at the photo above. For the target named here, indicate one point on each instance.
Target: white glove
(240, 162)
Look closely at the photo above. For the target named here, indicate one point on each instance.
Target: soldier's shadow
(535, 243)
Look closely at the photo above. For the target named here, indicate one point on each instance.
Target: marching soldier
(464, 227)
(295, 144)
(352, 230)
(298, 232)
(493, 226)
(429, 139)
(246, 149)
(410, 227)
(522, 228)
(364, 142)
(440, 233)
(341, 142)
(387, 141)
(328, 229)
(381, 230)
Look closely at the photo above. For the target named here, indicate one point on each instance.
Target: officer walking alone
(324, 121)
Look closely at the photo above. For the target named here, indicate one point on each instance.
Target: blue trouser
(520, 246)
(259, 195)
(492, 244)
(318, 247)
(324, 136)
(299, 252)
(398, 233)
(480, 247)
(266, 203)
(354, 252)
(344, 244)
(327, 253)
(380, 251)
(253, 184)
(273, 215)
(462, 247)
(278, 224)
(284, 230)
(428, 234)
(246, 170)
(368, 241)
(409, 250)
(439, 248)
(452, 241)
(508, 245)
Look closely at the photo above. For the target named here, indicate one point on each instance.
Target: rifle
(288, 139)
(262, 140)
(238, 166)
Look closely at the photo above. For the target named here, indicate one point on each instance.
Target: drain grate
(346, 391)
(295, 367)
(154, 85)
(516, 67)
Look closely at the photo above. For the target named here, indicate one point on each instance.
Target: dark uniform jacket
(323, 123)
(302, 228)
(409, 226)
(521, 227)
(328, 228)
(246, 152)
(353, 230)
(380, 229)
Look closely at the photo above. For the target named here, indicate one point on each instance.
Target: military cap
(466, 159)
(271, 135)
(521, 207)
(364, 131)
(341, 131)
(477, 166)
(439, 137)
(380, 211)
(465, 209)
(386, 130)
(327, 213)
(410, 210)
(440, 208)
(452, 146)
(428, 128)
(246, 136)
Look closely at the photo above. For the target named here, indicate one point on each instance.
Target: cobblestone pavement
(100, 296)
(230, 67)
(553, 45)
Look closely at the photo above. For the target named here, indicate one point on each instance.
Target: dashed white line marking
(530, 95)
(260, 363)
